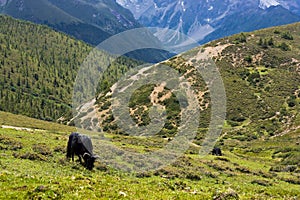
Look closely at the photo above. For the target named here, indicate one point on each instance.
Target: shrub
(241, 38)
(106, 105)
(291, 101)
(282, 168)
(283, 46)
(263, 43)
(254, 77)
(229, 194)
(294, 180)
(261, 182)
(243, 170)
(248, 58)
(60, 149)
(193, 176)
(9, 143)
(222, 159)
(277, 32)
(42, 149)
(287, 36)
(271, 42)
(30, 156)
(290, 168)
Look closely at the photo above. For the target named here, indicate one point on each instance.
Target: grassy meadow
(33, 166)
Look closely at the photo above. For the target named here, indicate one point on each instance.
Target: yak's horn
(86, 154)
(96, 156)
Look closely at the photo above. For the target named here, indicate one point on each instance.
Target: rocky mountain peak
(208, 20)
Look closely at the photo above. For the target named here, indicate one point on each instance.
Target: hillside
(38, 68)
(260, 71)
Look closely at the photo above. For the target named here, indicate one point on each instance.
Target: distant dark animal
(81, 145)
(216, 151)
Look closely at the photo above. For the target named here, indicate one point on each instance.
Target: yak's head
(89, 160)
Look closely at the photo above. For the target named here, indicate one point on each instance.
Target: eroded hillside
(260, 71)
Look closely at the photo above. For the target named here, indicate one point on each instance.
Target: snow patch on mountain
(264, 4)
(137, 7)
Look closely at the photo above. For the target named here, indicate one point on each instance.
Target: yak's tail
(69, 146)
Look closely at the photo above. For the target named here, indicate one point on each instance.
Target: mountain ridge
(209, 20)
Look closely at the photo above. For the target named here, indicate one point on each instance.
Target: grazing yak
(216, 151)
(81, 145)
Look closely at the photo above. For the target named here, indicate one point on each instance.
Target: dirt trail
(20, 128)
(286, 131)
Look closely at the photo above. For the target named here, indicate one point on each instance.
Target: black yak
(81, 145)
(216, 151)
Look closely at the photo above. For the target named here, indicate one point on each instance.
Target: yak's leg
(72, 156)
(80, 159)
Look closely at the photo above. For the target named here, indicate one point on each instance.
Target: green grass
(33, 166)
(24, 121)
